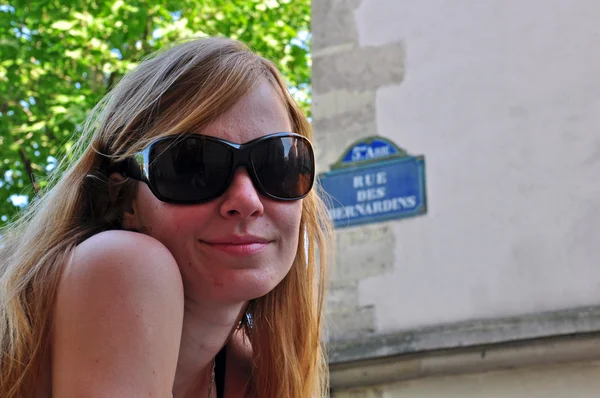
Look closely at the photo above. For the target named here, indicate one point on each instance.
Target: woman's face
(242, 244)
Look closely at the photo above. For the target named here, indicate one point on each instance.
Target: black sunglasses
(193, 168)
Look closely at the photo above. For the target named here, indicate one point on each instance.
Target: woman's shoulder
(130, 266)
(125, 255)
(112, 259)
(118, 311)
(134, 242)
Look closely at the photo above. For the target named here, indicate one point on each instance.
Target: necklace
(212, 380)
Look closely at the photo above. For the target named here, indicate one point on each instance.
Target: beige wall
(579, 380)
(503, 99)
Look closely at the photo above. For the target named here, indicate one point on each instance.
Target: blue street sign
(368, 150)
(376, 191)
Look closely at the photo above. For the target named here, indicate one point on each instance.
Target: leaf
(58, 109)
(62, 25)
(75, 54)
(117, 5)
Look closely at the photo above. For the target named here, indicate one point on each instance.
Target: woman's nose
(241, 198)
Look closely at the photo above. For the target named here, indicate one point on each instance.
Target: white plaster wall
(503, 99)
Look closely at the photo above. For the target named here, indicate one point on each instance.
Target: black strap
(220, 361)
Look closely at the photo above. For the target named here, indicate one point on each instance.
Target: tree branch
(111, 81)
(146, 33)
(29, 170)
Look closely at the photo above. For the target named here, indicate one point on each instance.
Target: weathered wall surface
(579, 380)
(346, 78)
(503, 99)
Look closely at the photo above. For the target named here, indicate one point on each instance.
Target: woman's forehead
(257, 114)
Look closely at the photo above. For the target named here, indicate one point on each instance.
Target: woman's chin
(244, 285)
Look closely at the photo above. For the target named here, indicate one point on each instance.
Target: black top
(220, 361)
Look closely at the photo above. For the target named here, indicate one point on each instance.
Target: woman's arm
(118, 319)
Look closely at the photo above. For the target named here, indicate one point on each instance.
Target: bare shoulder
(118, 318)
(127, 254)
(123, 263)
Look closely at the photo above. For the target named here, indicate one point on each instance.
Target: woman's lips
(245, 249)
(239, 245)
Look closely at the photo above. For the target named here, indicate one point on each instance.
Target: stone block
(366, 251)
(353, 118)
(359, 69)
(333, 23)
(341, 102)
(342, 295)
(331, 142)
(340, 123)
(350, 323)
(368, 392)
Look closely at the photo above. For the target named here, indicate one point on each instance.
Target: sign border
(374, 164)
(340, 164)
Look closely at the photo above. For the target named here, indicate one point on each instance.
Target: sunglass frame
(138, 166)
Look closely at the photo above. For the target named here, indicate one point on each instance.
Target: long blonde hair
(179, 89)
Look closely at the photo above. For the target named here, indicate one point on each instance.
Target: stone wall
(560, 381)
(345, 80)
(502, 99)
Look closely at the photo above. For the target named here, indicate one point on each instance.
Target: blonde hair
(181, 88)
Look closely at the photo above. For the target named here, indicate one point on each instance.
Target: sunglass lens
(284, 167)
(191, 169)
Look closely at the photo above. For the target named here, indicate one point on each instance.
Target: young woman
(183, 253)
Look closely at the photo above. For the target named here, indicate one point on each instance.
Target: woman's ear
(115, 183)
(121, 191)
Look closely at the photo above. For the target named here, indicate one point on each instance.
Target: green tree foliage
(59, 58)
